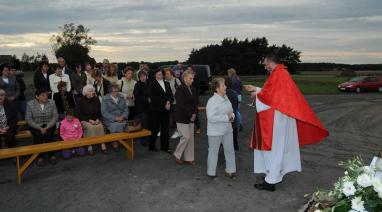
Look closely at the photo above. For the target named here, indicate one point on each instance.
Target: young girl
(71, 129)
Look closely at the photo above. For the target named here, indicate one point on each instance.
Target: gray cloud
(333, 31)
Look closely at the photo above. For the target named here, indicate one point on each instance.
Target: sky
(341, 31)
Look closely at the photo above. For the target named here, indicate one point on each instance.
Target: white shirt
(54, 80)
(45, 75)
(6, 80)
(42, 106)
(161, 83)
(218, 108)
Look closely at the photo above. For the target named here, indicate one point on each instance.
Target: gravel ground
(153, 182)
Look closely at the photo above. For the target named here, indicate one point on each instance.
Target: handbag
(133, 126)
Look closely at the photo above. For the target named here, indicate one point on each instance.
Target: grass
(308, 82)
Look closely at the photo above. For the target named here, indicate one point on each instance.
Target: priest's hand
(249, 88)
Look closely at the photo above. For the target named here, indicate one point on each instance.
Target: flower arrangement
(358, 191)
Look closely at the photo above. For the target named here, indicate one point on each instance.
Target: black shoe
(212, 177)
(265, 186)
(53, 160)
(40, 162)
(169, 151)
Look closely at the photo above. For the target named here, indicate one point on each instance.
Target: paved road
(153, 182)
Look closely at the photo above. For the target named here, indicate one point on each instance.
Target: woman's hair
(169, 70)
(112, 87)
(2, 92)
(41, 91)
(42, 63)
(98, 74)
(2, 66)
(112, 66)
(61, 84)
(216, 82)
(187, 73)
(128, 68)
(86, 89)
(142, 72)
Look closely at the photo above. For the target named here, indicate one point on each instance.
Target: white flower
(364, 180)
(377, 185)
(366, 169)
(348, 189)
(357, 204)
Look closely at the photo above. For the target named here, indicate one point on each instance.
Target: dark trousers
(145, 124)
(10, 139)
(39, 138)
(197, 122)
(159, 121)
(22, 107)
(131, 113)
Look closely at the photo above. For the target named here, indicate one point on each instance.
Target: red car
(361, 84)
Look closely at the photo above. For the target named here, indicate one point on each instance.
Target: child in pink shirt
(71, 129)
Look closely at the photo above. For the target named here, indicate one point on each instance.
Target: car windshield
(357, 79)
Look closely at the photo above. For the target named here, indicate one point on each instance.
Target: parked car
(361, 84)
(204, 75)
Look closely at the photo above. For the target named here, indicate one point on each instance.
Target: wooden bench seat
(125, 139)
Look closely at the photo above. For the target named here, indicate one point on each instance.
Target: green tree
(73, 44)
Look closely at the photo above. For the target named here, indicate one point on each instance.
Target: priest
(284, 122)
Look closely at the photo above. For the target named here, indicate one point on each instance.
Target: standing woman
(174, 84)
(9, 84)
(185, 115)
(111, 73)
(126, 85)
(21, 100)
(89, 72)
(142, 104)
(160, 105)
(219, 129)
(78, 79)
(237, 86)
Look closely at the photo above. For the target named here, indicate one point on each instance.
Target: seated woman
(89, 113)
(114, 111)
(63, 99)
(8, 120)
(70, 129)
(42, 117)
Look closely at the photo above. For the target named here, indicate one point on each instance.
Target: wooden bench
(201, 109)
(125, 139)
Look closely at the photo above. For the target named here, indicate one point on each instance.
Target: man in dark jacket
(233, 98)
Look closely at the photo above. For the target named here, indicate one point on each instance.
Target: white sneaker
(158, 134)
(175, 135)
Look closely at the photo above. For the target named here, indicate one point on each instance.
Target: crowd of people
(92, 100)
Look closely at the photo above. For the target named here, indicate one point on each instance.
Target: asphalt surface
(153, 182)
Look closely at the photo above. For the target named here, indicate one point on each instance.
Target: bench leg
(21, 169)
(129, 145)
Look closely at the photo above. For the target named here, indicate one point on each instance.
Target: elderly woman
(114, 111)
(142, 104)
(42, 117)
(89, 113)
(64, 100)
(185, 115)
(174, 84)
(8, 120)
(219, 129)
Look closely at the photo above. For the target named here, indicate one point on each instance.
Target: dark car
(361, 84)
(203, 73)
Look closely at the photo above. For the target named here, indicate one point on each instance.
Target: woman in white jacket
(219, 130)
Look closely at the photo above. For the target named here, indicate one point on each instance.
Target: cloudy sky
(345, 31)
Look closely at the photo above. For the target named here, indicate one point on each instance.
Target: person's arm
(62, 132)
(54, 119)
(79, 129)
(69, 86)
(52, 84)
(29, 117)
(126, 111)
(105, 112)
(214, 115)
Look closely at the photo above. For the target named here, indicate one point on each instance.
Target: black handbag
(133, 126)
